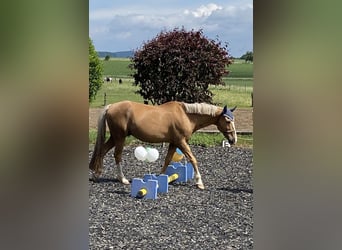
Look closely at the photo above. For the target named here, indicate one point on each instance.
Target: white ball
(152, 154)
(140, 153)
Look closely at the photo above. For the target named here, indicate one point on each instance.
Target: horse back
(149, 123)
(126, 108)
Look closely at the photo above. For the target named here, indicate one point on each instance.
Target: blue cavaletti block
(163, 185)
(178, 168)
(150, 186)
(189, 170)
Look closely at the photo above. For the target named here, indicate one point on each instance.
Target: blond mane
(200, 108)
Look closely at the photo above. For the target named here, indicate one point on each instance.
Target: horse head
(226, 124)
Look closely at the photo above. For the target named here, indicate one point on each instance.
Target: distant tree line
(248, 56)
(122, 54)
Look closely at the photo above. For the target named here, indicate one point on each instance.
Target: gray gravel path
(219, 217)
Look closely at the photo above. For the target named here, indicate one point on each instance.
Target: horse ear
(224, 109)
(232, 110)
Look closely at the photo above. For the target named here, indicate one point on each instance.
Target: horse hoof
(95, 177)
(200, 186)
(125, 181)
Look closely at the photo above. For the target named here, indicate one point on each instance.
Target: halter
(231, 119)
(230, 131)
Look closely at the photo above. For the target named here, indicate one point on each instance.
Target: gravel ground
(219, 217)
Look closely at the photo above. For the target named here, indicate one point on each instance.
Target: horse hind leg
(98, 165)
(118, 157)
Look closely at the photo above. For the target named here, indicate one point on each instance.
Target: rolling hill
(121, 54)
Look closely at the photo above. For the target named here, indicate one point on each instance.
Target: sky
(122, 25)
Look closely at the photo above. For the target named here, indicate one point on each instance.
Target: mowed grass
(240, 69)
(115, 92)
(118, 67)
(235, 92)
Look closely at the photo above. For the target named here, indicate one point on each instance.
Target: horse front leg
(170, 152)
(118, 156)
(187, 152)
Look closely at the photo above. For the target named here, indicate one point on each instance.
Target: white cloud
(174, 18)
(123, 35)
(101, 14)
(204, 10)
(132, 26)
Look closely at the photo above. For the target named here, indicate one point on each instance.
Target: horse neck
(201, 121)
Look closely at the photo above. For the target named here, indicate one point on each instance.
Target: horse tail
(97, 158)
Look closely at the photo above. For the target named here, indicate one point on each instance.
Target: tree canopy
(179, 65)
(95, 72)
(248, 56)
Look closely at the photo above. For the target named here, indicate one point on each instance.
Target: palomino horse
(172, 122)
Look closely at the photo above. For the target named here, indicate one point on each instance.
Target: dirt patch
(243, 117)
(94, 114)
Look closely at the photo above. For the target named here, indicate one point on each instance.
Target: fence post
(104, 99)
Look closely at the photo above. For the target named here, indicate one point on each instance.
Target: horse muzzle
(231, 139)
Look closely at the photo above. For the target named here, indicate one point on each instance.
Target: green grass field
(233, 95)
(118, 67)
(116, 92)
(236, 91)
(240, 69)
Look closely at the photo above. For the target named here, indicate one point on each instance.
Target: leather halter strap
(232, 130)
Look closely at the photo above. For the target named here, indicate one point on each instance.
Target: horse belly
(152, 135)
(152, 126)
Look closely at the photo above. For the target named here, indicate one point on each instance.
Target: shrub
(95, 72)
(179, 65)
